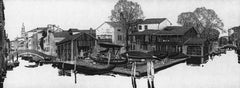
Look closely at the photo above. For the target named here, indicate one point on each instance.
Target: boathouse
(71, 46)
(196, 47)
(169, 39)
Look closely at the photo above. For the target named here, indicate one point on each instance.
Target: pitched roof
(73, 37)
(39, 28)
(153, 21)
(169, 30)
(114, 24)
(61, 34)
(174, 30)
(195, 41)
(146, 32)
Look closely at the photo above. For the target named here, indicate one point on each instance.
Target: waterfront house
(154, 24)
(112, 32)
(169, 39)
(71, 46)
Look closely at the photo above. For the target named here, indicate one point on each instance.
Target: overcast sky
(84, 14)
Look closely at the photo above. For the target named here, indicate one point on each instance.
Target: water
(221, 72)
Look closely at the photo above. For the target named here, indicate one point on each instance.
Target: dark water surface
(221, 72)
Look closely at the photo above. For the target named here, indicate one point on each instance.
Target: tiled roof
(174, 30)
(169, 30)
(146, 32)
(114, 24)
(195, 41)
(72, 37)
(39, 28)
(61, 34)
(153, 21)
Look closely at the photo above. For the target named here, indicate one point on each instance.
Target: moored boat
(110, 54)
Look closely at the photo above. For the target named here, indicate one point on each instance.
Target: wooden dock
(142, 70)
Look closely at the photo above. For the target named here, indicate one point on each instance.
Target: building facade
(169, 39)
(70, 47)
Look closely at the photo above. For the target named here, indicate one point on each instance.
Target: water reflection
(220, 72)
(62, 72)
(197, 61)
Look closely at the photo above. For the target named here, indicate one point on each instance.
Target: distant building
(169, 39)
(111, 32)
(154, 24)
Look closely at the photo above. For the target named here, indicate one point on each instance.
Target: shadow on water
(197, 61)
(62, 72)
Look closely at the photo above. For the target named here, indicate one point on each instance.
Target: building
(71, 46)
(154, 24)
(169, 39)
(111, 32)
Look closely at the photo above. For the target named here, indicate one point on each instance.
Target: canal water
(221, 72)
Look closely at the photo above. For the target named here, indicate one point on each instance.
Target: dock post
(150, 74)
(133, 77)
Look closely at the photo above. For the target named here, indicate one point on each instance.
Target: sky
(85, 14)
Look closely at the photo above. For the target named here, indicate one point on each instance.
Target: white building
(111, 32)
(154, 24)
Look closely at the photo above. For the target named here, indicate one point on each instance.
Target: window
(145, 27)
(140, 27)
(144, 46)
(194, 50)
(119, 30)
(119, 37)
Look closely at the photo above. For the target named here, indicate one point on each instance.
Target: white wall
(105, 29)
(160, 26)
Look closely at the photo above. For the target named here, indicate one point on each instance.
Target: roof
(146, 32)
(169, 30)
(195, 41)
(61, 34)
(39, 28)
(153, 21)
(174, 30)
(109, 45)
(114, 24)
(73, 37)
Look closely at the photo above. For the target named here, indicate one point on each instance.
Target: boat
(179, 56)
(110, 54)
(86, 66)
(158, 54)
(31, 66)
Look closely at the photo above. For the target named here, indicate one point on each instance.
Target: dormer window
(145, 27)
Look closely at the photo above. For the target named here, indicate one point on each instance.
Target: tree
(126, 13)
(210, 34)
(202, 19)
(235, 35)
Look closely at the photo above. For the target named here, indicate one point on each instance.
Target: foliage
(204, 20)
(235, 36)
(223, 40)
(126, 12)
(210, 34)
(201, 18)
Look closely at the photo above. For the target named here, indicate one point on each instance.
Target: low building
(112, 32)
(169, 39)
(71, 46)
(196, 47)
(154, 24)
